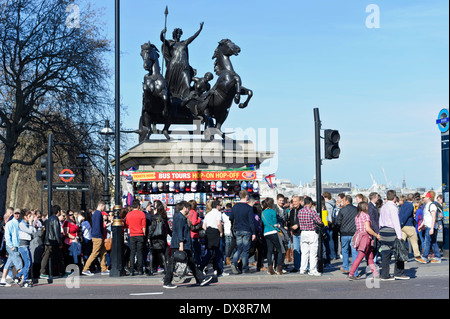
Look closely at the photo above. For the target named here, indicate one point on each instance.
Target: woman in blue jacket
(271, 234)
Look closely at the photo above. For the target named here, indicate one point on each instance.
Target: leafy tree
(53, 78)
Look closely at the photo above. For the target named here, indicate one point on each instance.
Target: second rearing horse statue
(228, 86)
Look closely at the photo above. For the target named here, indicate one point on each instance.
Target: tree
(51, 73)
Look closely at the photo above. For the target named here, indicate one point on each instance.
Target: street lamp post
(82, 158)
(107, 132)
(116, 228)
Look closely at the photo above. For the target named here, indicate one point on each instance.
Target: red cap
(428, 195)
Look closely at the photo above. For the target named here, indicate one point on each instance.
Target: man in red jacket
(136, 224)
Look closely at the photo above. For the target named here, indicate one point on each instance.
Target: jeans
(331, 254)
(243, 241)
(86, 248)
(327, 246)
(13, 259)
(297, 253)
(273, 242)
(197, 248)
(430, 242)
(421, 235)
(26, 257)
(347, 247)
(228, 239)
(136, 250)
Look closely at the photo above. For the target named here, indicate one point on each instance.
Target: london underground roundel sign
(443, 120)
(66, 175)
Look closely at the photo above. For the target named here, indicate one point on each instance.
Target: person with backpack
(157, 237)
(431, 226)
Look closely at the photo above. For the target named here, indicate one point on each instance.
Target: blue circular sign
(443, 120)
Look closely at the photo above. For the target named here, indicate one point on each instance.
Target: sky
(381, 87)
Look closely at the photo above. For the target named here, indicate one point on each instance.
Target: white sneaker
(205, 280)
(105, 273)
(87, 273)
(315, 273)
(224, 274)
(169, 286)
(4, 284)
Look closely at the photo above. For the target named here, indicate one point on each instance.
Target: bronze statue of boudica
(180, 97)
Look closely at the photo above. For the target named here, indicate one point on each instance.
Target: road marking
(146, 293)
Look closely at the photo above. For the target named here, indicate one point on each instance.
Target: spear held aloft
(166, 12)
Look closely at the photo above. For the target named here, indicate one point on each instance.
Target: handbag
(195, 228)
(158, 231)
(108, 243)
(180, 256)
(400, 249)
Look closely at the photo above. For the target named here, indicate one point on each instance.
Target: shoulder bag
(401, 250)
(195, 228)
(281, 232)
(158, 231)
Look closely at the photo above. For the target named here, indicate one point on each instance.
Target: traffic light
(332, 149)
(42, 174)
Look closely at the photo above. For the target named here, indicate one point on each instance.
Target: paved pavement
(412, 269)
(258, 289)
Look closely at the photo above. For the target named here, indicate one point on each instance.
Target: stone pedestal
(192, 154)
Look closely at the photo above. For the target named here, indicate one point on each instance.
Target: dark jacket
(406, 214)
(293, 220)
(374, 217)
(242, 218)
(53, 235)
(159, 242)
(346, 220)
(180, 232)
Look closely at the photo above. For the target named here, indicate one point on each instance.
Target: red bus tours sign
(166, 176)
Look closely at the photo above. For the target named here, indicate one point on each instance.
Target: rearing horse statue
(155, 106)
(228, 86)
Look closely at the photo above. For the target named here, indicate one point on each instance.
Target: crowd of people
(281, 234)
